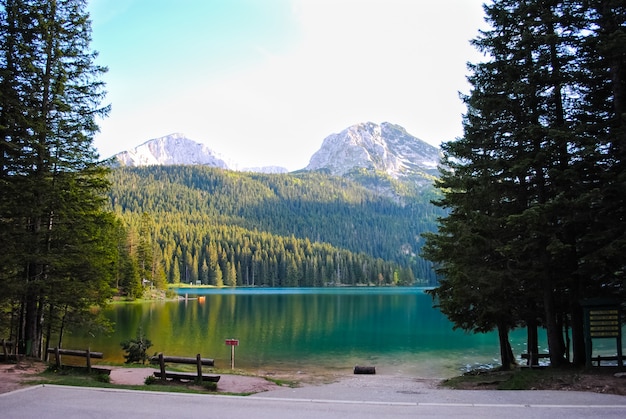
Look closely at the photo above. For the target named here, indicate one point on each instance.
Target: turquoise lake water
(284, 330)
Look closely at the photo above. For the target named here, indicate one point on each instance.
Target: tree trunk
(555, 339)
(30, 323)
(578, 336)
(506, 353)
(532, 345)
(48, 333)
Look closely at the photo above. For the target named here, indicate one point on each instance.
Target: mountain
(177, 149)
(304, 228)
(172, 149)
(385, 148)
(377, 156)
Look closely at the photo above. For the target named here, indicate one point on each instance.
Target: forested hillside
(198, 224)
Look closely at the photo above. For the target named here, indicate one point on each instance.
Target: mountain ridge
(384, 147)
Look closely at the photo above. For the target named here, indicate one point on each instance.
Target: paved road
(50, 401)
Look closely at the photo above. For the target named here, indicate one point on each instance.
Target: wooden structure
(199, 376)
(87, 354)
(9, 348)
(603, 321)
(530, 362)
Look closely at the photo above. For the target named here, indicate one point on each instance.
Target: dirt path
(227, 384)
(14, 376)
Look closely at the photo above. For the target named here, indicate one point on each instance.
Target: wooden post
(232, 357)
(88, 356)
(199, 367)
(162, 365)
(57, 355)
(4, 349)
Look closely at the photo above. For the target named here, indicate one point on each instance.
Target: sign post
(232, 343)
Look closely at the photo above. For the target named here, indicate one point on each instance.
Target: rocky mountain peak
(168, 150)
(382, 147)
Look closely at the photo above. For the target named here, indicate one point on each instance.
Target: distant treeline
(196, 224)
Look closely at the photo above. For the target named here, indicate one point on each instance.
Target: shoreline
(340, 384)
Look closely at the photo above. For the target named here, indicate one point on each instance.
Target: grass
(516, 379)
(99, 377)
(79, 377)
(283, 383)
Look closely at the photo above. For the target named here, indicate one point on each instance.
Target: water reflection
(395, 329)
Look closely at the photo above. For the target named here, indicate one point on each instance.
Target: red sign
(232, 342)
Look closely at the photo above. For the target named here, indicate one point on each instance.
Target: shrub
(136, 349)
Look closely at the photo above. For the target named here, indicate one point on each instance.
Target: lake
(293, 329)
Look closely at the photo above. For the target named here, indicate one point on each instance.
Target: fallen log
(364, 370)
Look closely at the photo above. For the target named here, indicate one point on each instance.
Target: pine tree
(523, 183)
(51, 185)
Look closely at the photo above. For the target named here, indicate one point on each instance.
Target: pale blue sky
(265, 81)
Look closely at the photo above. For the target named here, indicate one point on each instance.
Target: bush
(209, 385)
(136, 349)
(103, 378)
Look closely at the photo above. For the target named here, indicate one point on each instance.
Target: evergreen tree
(145, 254)
(602, 123)
(219, 280)
(51, 186)
(523, 183)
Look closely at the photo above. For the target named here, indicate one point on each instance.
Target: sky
(263, 82)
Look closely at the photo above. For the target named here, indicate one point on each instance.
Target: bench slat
(76, 352)
(184, 360)
(187, 376)
(526, 356)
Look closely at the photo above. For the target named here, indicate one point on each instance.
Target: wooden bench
(87, 354)
(9, 349)
(199, 376)
(599, 359)
(539, 356)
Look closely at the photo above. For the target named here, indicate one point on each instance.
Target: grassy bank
(599, 380)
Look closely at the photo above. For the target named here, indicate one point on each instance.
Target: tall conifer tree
(530, 177)
(52, 221)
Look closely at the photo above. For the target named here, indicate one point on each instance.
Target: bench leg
(162, 365)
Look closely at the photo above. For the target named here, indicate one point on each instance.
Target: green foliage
(531, 185)
(136, 349)
(208, 385)
(519, 379)
(103, 378)
(223, 228)
(57, 257)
